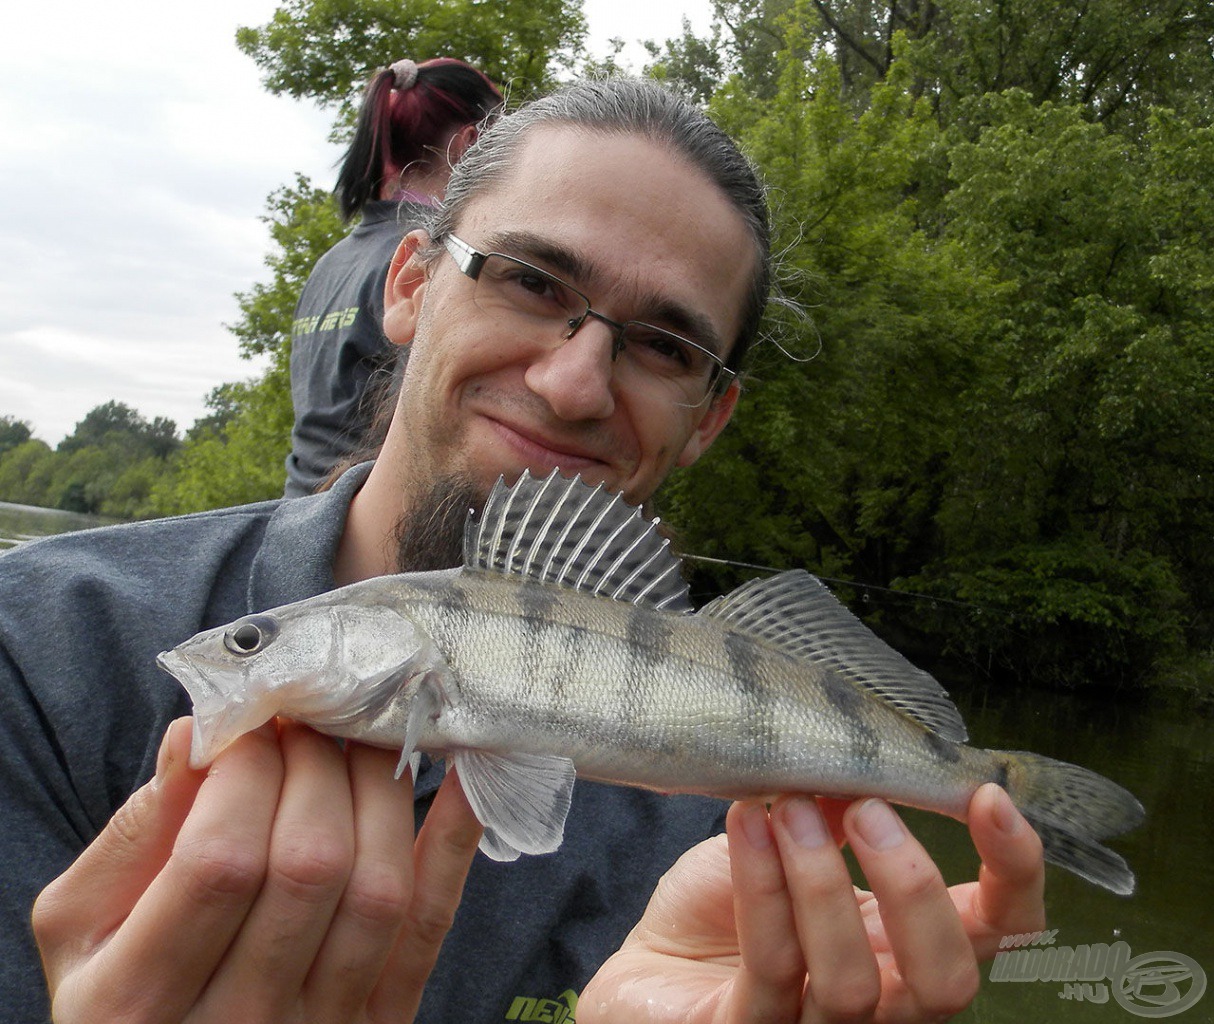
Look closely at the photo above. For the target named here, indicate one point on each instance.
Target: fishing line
(863, 587)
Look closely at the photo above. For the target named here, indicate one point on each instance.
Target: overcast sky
(137, 149)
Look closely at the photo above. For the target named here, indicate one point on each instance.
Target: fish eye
(250, 635)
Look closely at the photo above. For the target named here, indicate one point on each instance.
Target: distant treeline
(118, 464)
(109, 465)
(988, 400)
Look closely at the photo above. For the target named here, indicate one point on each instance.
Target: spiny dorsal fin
(796, 613)
(565, 532)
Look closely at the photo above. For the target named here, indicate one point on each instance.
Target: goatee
(431, 534)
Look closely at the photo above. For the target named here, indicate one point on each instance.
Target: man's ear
(460, 143)
(713, 422)
(405, 289)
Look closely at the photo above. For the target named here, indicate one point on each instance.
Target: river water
(19, 523)
(1161, 751)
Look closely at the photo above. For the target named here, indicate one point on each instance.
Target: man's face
(647, 237)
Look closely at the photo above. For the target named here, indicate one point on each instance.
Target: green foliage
(690, 64)
(847, 435)
(115, 424)
(1011, 411)
(327, 49)
(239, 462)
(13, 432)
(106, 466)
(1114, 58)
(25, 471)
(224, 402)
(237, 454)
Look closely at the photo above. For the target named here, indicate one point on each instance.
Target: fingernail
(755, 827)
(879, 826)
(1008, 819)
(805, 823)
(164, 756)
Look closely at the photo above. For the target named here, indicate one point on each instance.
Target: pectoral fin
(425, 707)
(521, 799)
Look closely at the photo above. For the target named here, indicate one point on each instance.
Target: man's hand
(764, 925)
(284, 883)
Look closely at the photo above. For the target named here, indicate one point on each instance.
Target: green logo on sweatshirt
(549, 1011)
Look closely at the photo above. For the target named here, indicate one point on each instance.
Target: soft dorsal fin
(565, 532)
(796, 613)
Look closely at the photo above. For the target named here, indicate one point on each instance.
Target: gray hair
(619, 106)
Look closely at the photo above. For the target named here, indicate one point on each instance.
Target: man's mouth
(547, 453)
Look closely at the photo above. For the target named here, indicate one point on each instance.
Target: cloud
(139, 149)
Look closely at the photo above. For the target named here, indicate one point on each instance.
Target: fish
(566, 646)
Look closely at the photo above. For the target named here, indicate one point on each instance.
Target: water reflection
(19, 523)
(1164, 755)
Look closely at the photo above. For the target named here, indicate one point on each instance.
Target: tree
(327, 49)
(237, 454)
(25, 471)
(243, 461)
(1098, 421)
(1114, 58)
(13, 432)
(115, 423)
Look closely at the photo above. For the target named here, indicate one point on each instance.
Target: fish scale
(565, 646)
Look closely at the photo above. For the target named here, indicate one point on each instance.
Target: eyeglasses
(543, 308)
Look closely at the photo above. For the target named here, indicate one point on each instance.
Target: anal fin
(521, 799)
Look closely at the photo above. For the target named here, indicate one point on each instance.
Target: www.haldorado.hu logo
(1158, 984)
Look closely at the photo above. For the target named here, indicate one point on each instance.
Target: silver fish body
(566, 644)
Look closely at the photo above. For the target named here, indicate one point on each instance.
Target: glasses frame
(470, 262)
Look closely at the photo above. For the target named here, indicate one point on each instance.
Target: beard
(431, 534)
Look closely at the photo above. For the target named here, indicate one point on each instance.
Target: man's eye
(655, 345)
(533, 288)
(535, 284)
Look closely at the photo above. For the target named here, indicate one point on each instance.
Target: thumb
(93, 897)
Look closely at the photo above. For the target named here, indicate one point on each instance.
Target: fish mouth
(219, 717)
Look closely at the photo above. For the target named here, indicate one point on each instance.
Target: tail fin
(1071, 808)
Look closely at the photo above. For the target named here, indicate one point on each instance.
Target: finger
(1010, 896)
(82, 907)
(442, 856)
(934, 958)
(844, 982)
(376, 898)
(182, 925)
(311, 855)
(771, 978)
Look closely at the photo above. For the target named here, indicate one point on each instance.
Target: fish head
(321, 662)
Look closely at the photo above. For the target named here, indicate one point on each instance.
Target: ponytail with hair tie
(408, 114)
(405, 72)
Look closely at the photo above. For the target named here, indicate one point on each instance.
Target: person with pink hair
(415, 122)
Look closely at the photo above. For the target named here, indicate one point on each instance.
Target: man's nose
(575, 378)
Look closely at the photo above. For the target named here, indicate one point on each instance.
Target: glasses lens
(681, 368)
(508, 285)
